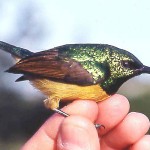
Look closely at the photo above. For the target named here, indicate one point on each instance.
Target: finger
(86, 108)
(77, 133)
(46, 135)
(129, 131)
(112, 111)
(143, 143)
(40, 140)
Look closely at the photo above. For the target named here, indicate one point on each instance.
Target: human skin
(123, 130)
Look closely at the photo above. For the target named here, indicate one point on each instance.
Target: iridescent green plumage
(104, 62)
(91, 57)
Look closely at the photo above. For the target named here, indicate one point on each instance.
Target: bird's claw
(98, 126)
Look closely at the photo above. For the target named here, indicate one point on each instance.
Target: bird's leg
(61, 112)
(53, 103)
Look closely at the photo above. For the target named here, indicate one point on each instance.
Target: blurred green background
(43, 24)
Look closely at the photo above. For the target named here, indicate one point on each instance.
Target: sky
(125, 24)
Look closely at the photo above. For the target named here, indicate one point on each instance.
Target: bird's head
(122, 66)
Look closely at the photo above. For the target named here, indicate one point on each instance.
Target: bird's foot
(61, 112)
(53, 103)
(98, 126)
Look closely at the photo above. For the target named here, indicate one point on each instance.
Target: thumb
(77, 133)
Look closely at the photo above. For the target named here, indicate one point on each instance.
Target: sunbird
(75, 71)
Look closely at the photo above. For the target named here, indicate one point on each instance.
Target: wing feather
(50, 65)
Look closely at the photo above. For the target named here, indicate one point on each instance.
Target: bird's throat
(111, 86)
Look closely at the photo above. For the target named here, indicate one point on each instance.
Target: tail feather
(15, 51)
(22, 78)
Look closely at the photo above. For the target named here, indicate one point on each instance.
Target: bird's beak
(145, 69)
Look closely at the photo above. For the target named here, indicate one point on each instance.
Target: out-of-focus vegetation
(19, 118)
(138, 94)
(141, 104)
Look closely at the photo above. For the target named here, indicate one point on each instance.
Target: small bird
(75, 71)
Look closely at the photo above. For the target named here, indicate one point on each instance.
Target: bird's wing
(50, 65)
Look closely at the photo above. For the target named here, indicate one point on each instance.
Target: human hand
(77, 132)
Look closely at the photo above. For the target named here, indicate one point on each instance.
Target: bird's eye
(125, 64)
(130, 64)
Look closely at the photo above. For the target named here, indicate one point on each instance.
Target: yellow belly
(69, 92)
